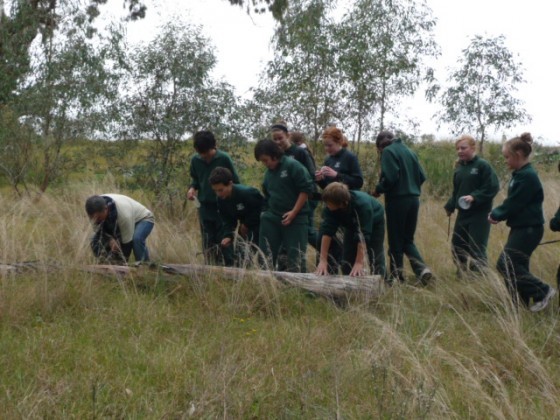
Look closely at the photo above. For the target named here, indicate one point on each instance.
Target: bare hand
(328, 171)
(357, 270)
(376, 194)
(288, 218)
(191, 194)
(449, 212)
(319, 175)
(322, 269)
(115, 247)
(492, 221)
(225, 242)
(468, 198)
(243, 231)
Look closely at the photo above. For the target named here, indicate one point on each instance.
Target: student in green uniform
(207, 158)
(237, 205)
(401, 180)
(523, 212)
(280, 135)
(362, 218)
(341, 165)
(286, 188)
(475, 185)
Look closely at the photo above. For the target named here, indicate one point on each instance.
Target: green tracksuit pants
(212, 234)
(293, 238)
(375, 250)
(402, 217)
(513, 264)
(470, 239)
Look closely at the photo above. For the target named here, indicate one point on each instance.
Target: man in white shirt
(122, 226)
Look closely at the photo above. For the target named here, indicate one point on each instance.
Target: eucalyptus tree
(17, 143)
(64, 97)
(301, 83)
(481, 91)
(383, 47)
(23, 21)
(171, 95)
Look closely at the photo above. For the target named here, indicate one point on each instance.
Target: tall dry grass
(75, 344)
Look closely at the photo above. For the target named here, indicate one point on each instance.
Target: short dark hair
(95, 204)
(384, 138)
(220, 175)
(268, 147)
(204, 141)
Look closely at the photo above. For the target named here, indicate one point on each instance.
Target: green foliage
(26, 20)
(381, 48)
(170, 95)
(17, 144)
(302, 81)
(481, 91)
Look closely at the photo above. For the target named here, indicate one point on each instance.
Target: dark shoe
(425, 276)
(541, 304)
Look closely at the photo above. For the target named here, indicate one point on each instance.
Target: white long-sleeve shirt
(129, 212)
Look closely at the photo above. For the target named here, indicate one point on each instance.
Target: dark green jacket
(523, 205)
(401, 173)
(346, 164)
(200, 172)
(283, 185)
(304, 157)
(477, 178)
(555, 222)
(243, 206)
(361, 215)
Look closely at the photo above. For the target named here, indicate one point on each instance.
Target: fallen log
(108, 269)
(330, 286)
(336, 287)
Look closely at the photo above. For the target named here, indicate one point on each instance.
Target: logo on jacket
(337, 165)
(284, 174)
(240, 206)
(474, 171)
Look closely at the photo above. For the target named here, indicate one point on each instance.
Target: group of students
(239, 222)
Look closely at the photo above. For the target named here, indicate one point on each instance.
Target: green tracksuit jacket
(345, 163)
(401, 173)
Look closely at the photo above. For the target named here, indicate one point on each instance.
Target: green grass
(152, 345)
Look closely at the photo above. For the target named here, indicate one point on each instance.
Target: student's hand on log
(288, 218)
(357, 270)
(225, 242)
(322, 269)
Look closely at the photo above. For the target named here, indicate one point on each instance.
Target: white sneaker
(425, 276)
(541, 304)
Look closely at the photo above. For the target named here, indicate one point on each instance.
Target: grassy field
(80, 345)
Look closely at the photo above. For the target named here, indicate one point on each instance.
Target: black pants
(212, 233)
(513, 264)
(402, 217)
(470, 239)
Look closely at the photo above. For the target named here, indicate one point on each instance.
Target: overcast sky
(530, 28)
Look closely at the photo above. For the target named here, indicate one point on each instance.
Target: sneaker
(541, 304)
(425, 276)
